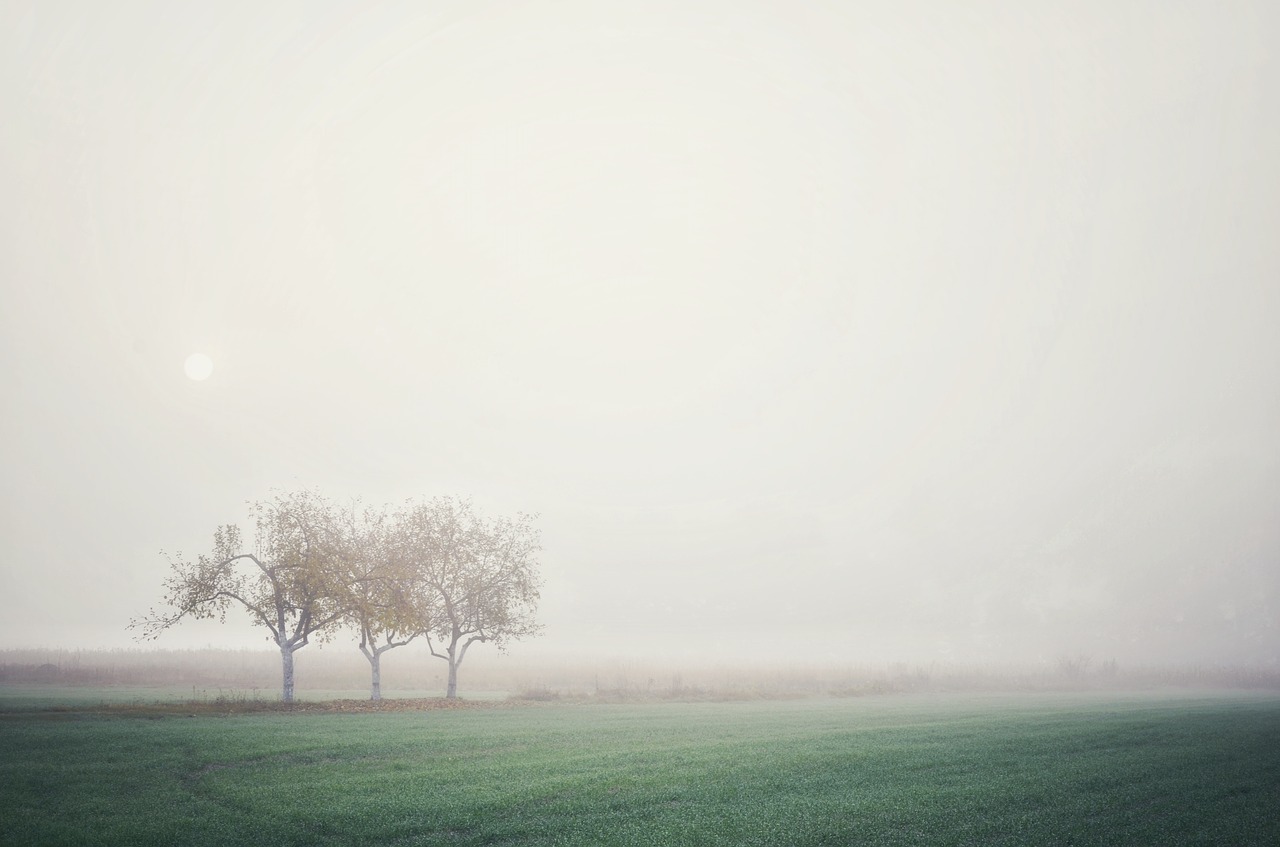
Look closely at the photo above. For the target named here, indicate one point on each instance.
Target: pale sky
(889, 330)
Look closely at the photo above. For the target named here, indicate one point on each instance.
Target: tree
(380, 601)
(478, 577)
(291, 583)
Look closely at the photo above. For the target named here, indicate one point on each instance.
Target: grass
(955, 770)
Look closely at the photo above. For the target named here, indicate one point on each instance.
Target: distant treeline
(243, 669)
(247, 668)
(331, 669)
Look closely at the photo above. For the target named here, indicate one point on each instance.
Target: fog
(848, 331)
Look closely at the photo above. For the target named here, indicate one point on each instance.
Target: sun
(198, 366)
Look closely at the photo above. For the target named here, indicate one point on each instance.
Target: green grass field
(939, 770)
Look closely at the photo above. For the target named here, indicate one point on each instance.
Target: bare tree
(381, 602)
(478, 577)
(290, 583)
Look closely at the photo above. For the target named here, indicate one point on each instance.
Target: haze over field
(854, 330)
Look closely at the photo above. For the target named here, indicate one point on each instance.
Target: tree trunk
(451, 693)
(375, 664)
(286, 661)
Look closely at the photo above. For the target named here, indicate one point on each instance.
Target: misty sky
(887, 330)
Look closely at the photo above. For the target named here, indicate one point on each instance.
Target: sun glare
(198, 366)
